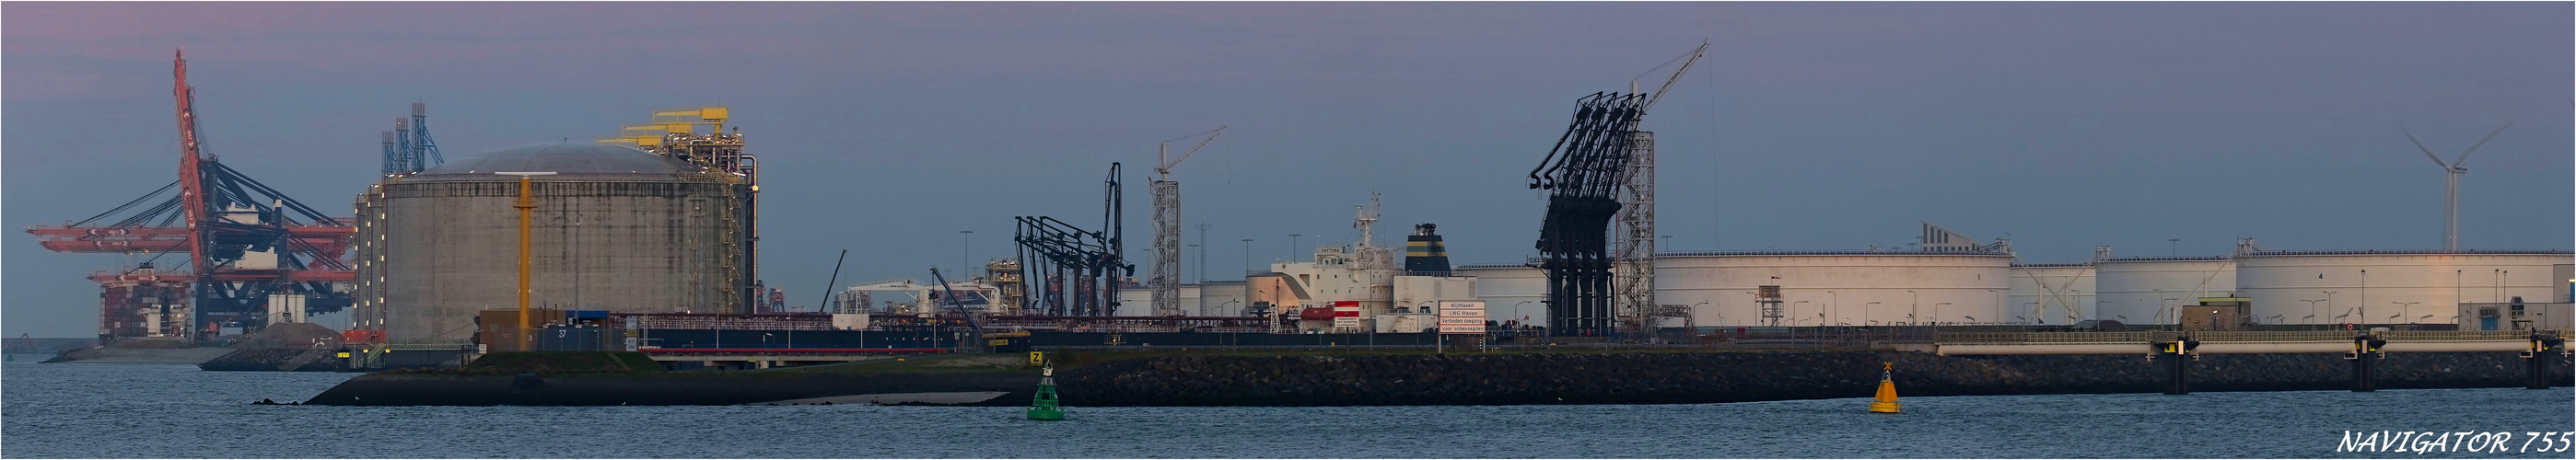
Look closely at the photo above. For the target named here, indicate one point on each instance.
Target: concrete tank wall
(1948, 288)
(1221, 298)
(2407, 284)
(2052, 293)
(631, 244)
(1504, 288)
(2135, 290)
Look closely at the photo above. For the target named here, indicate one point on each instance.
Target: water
(77, 410)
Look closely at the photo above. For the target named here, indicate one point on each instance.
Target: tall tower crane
(1636, 266)
(1166, 280)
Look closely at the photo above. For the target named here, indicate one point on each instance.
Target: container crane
(1165, 281)
(246, 244)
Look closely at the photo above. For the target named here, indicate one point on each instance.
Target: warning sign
(1462, 317)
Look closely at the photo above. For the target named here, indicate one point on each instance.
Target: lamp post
(1916, 306)
(2330, 300)
(1864, 312)
(527, 205)
(1836, 306)
(2365, 299)
(1936, 313)
(2175, 310)
(2312, 307)
(1999, 301)
(2405, 307)
(1793, 312)
(1517, 311)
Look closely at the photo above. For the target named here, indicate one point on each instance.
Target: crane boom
(192, 188)
(1668, 82)
(1165, 168)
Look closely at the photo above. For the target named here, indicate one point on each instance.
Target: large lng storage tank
(2052, 293)
(1839, 287)
(2391, 286)
(2148, 290)
(1510, 292)
(615, 229)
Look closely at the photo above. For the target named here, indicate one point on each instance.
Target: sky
(888, 129)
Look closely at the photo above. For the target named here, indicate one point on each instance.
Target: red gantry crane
(245, 244)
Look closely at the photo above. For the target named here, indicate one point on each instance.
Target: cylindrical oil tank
(2149, 290)
(1510, 292)
(614, 229)
(1221, 298)
(2052, 293)
(2390, 286)
(1844, 287)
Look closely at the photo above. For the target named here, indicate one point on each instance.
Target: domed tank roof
(567, 158)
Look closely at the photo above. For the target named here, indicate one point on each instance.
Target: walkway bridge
(2175, 350)
(2231, 342)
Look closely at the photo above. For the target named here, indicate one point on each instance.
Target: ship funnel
(1424, 253)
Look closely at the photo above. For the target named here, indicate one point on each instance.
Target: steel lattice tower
(1635, 269)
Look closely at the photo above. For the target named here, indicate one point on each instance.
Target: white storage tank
(2148, 290)
(1221, 298)
(1510, 292)
(1839, 287)
(2052, 293)
(2391, 286)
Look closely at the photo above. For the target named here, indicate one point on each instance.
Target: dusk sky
(886, 129)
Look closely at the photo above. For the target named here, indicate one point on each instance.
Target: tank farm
(541, 273)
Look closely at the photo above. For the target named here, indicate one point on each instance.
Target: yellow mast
(527, 204)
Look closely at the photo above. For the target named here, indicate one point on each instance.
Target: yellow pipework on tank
(1886, 403)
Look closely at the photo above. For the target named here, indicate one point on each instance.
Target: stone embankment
(290, 347)
(1661, 378)
(1456, 379)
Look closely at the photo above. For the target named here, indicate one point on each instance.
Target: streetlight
(1915, 307)
(1836, 306)
(2312, 307)
(1999, 300)
(2330, 300)
(1936, 312)
(1793, 310)
(1517, 311)
(2406, 307)
(2365, 298)
(1864, 312)
(2176, 310)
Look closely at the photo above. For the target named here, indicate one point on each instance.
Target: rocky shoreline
(1458, 379)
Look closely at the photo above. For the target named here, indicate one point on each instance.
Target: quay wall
(1462, 379)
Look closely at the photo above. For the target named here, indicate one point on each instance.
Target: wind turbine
(2455, 168)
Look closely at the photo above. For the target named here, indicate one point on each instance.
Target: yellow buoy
(1886, 401)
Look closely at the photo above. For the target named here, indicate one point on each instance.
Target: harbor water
(93, 410)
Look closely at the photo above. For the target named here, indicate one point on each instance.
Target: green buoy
(1044, 406)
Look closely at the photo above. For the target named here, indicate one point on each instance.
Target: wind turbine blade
(2473, 148)
(2419, 145)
